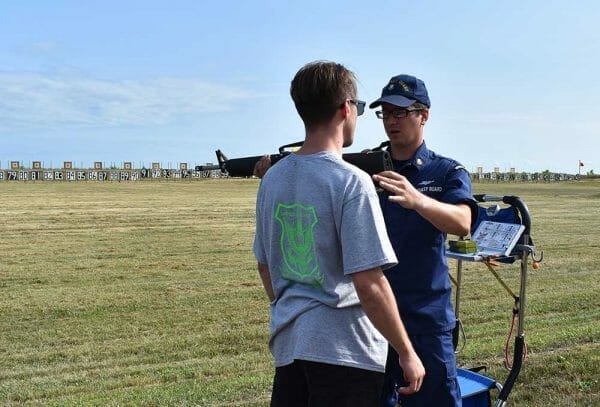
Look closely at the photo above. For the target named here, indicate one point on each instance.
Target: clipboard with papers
(494, 239)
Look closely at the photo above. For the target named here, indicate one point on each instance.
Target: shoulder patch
(460, 167)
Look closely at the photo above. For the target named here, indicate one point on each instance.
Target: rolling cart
(503, 236)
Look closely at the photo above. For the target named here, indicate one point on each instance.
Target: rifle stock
(370, 161)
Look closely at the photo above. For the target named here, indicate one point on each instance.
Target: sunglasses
(360, 105)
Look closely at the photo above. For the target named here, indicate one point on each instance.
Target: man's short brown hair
(319, 89)
(418, 105)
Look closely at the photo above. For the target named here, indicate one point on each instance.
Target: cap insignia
(404, 86)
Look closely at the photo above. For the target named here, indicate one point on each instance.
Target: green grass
(146, 293)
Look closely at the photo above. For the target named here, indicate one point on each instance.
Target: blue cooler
(475, 388)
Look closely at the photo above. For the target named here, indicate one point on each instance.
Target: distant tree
(546, 175)
(590, 173)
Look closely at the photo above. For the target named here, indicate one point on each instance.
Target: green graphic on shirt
(297, 243)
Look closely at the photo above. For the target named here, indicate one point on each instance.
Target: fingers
(402, 191)
(396, 189)
(390, 178)
(399, 199)
(391, 186)
(389, 174)
(384, 183)
(412, 387)
(414, 373)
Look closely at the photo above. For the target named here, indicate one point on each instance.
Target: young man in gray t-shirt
(321, 245)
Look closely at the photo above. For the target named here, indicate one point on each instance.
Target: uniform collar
(418, 160)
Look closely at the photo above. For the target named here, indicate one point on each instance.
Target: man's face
(403, 131)
(349, 130)
(351, 122)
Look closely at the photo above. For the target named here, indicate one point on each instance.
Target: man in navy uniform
(425, 197)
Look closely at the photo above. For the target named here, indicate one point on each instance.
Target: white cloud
(30, 100)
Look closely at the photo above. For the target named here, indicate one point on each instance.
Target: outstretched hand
(403, 191)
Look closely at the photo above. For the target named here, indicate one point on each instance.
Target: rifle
(372, 161)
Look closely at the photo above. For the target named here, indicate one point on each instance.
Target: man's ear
(424, 115)
(345, 108)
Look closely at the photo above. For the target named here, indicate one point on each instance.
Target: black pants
(313, 384)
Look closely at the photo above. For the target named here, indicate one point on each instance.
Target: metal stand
(522, 252)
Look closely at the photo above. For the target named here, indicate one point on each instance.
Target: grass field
(145, 293)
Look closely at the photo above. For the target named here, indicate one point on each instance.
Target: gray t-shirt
(318, 220)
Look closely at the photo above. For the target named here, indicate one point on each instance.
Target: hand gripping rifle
(371, 161)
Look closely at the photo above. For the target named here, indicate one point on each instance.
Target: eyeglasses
(396, 113)
(360, 105)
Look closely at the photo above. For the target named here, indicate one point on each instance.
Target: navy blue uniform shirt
(420, 281)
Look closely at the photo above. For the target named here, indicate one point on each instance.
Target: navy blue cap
(403, 91)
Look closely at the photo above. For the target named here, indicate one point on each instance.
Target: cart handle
(513, 201)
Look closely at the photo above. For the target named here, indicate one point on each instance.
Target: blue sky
(512, 83)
